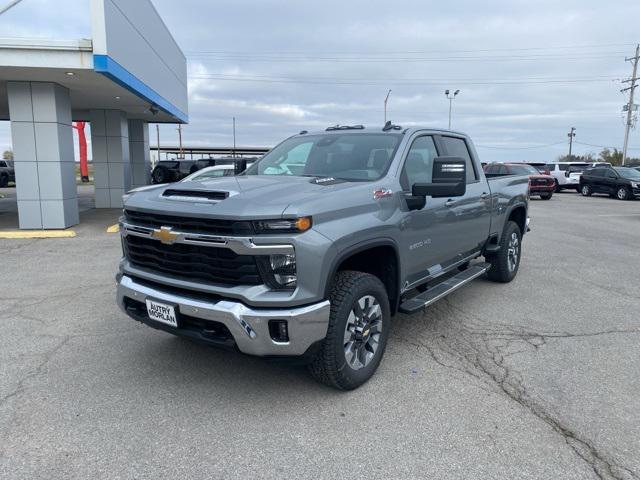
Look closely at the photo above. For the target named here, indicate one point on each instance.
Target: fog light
(279, 331)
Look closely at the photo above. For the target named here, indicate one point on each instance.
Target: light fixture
(70, 74)
(117, 98)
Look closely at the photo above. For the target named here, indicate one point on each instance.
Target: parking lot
(538, 378)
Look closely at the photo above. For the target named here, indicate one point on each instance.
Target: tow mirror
(449, 179)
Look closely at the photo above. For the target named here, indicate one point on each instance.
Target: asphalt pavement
(536, 379)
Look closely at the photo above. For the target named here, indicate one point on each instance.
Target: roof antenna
(390, 126)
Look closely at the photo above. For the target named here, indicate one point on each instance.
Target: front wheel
(4, 181)
(586, 191)
(623, 193)
(546, 196)
(557, 187)
(506, 262)
(357, 334)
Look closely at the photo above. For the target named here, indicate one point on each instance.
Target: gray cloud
(280, 67)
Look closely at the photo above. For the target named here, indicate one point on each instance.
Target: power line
(482, 50)
(603, 146)
(365, 81)
(496, 147)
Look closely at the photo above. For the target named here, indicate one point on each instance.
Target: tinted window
(628, 172)
(3, 164)
(596, 172)
(610, 174)
(522, 170)
(551, 167)
(502, 170)
(457, 147)
(418, 166)
(345, 156)
(491, 169)
(563, 167)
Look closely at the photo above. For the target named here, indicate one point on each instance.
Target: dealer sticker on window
(162, 312)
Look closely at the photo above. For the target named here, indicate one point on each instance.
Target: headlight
(279, 270)
(294, 225)
(635, 185)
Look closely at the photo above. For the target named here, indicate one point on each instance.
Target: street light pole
(451, 97)
(385, 105)
(571, 134)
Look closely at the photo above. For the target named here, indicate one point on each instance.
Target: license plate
(161, 312)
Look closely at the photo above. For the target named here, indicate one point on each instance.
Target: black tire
(161, 175)
(502, 269)
(578, 189)
(557, 188)
(330, 366)
(4, 181)
(586, 191)
(623, 193)
(546, 196)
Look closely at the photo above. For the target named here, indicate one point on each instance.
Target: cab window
(418, 165)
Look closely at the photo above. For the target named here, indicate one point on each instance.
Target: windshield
(201, 176)
(354, 157)
(523, 170)
(628, 172)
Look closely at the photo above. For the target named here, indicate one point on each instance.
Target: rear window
(522, 170)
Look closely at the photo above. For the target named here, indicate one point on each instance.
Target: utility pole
(386, 99)
(180, 139)
(571, 135)
(630, 105)
(234, 137)
(451, 97)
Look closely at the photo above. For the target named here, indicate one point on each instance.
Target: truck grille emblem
(165, 235)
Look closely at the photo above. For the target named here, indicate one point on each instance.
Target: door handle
(449, 203)
(485, 195)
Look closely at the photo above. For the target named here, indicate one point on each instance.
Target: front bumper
(248, 327)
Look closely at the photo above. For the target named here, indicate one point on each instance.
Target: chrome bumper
(249, 327)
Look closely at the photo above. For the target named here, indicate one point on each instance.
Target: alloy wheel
(513, 252)
(362, 332)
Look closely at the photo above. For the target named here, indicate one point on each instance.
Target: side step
(443, 289)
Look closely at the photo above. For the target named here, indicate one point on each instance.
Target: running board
(443, 289)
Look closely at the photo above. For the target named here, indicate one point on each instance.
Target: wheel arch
(386, 266)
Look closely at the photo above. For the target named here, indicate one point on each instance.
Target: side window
(457, 147)
(3, 164)
(551, 167)
(611, 174)
(491, 169)
(502, 170)
(563, 167)
(418, 165)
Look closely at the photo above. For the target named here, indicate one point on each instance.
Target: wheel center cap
(362, 332)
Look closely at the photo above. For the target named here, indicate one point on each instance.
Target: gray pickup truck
(312, 251)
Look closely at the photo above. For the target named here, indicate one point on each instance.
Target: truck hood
(250, 196)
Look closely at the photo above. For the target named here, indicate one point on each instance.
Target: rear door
(472, 212)
(595, 179)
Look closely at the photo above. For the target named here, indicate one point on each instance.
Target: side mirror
(449, 179)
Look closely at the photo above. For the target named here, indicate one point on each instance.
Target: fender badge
(379, 193)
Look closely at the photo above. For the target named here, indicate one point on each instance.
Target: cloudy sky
(527, 71)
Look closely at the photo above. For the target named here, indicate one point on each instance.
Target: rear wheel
(506, 262)
(357, 333)
(623, 193)
(161, 175)
(586, 191)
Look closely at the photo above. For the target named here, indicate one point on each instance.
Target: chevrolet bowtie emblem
(165, 235)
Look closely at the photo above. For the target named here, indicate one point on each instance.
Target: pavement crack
(471, 346)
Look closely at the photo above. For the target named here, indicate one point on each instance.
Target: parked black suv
(620, 182)
(7, 173)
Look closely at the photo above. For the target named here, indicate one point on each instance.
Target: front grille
(192, 225)
(541, 181)
(192, 262)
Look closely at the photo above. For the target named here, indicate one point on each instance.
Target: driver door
(424, 236)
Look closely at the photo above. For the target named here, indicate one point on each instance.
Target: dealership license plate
(161, 312)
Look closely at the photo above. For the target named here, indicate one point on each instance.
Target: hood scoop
(195, 195)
